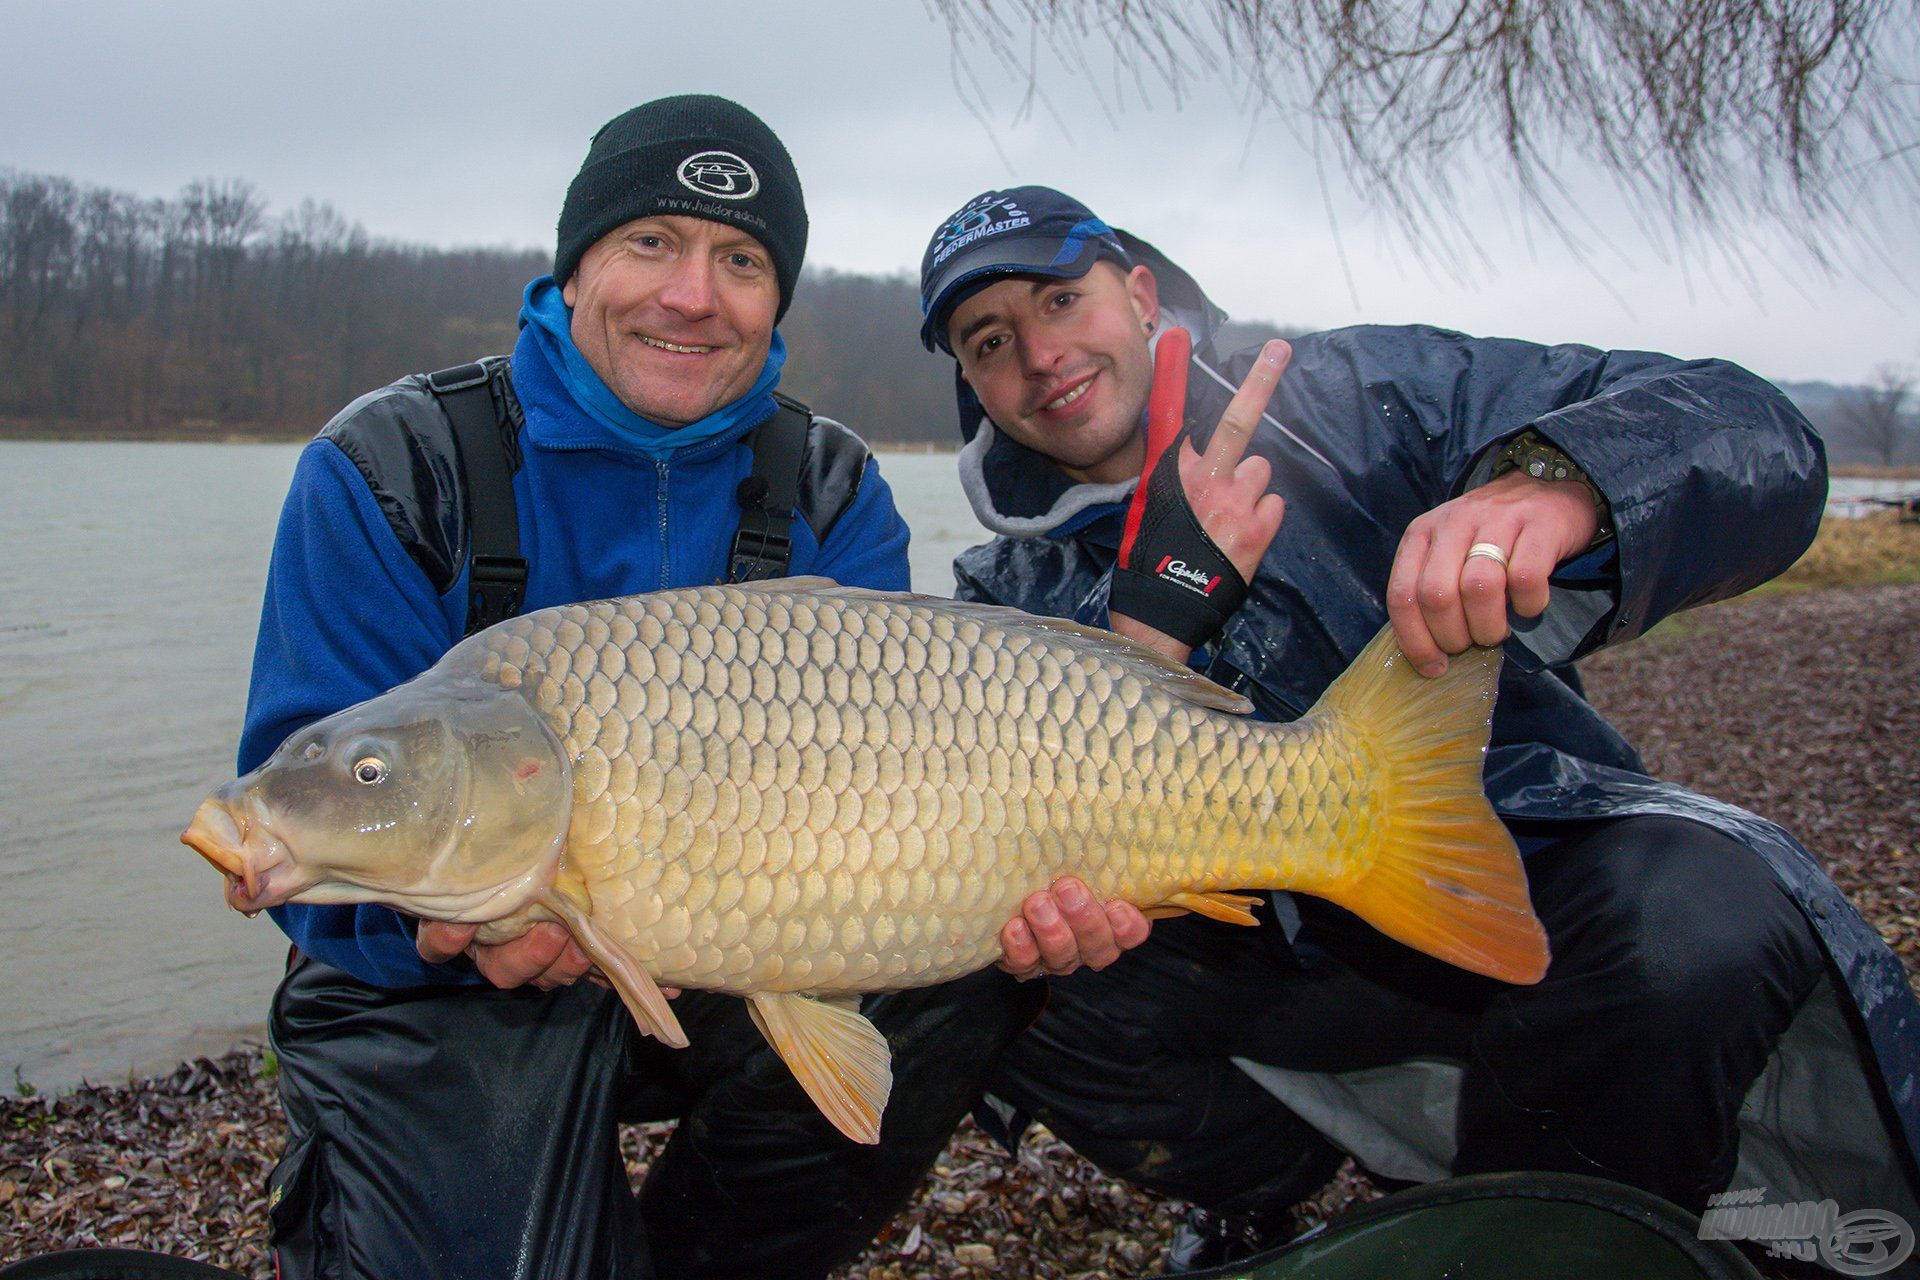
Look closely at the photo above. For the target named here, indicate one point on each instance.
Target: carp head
(447, 798)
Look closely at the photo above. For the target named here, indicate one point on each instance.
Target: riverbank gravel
(1800, 706)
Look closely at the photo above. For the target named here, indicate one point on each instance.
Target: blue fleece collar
(548, 321)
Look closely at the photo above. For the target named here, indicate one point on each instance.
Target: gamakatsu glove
(1169, 574)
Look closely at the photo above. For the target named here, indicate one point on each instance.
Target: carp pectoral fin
(1233, 908)
(839, 1058)
(638, 991)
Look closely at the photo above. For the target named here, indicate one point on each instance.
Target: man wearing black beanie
(693, 156)
(452, 1104)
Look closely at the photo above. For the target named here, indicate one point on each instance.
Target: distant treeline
(203, 315)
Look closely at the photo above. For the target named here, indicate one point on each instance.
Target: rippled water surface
(129, 593)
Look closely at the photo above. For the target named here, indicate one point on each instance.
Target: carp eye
(370, 771)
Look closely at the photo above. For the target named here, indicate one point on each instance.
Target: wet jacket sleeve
(867, 545)
(347, 615)
(1054, 577)
(970, 584)
(1714, 480)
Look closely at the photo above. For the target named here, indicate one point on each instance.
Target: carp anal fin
(1233, 908)
(839, 1058)
(638, 991)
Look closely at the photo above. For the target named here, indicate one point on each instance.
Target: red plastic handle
(1166, 415)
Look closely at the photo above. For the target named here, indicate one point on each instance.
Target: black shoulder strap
(763, 548)
(496, 573)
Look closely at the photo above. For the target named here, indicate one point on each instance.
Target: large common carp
(798, 792)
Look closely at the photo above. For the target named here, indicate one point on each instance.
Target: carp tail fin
(1445, 876)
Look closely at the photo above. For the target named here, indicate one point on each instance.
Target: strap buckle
(759, 554)
(458, 378)
(496, 588)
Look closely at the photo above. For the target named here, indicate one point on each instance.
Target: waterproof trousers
(1677, 962)
(455, 1133)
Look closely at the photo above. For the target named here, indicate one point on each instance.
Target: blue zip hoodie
(348, 614)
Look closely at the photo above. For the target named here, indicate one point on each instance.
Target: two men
(1702, 961)
(453, 1106)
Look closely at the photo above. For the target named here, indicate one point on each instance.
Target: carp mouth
(242, 851)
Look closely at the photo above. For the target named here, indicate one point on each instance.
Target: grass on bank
(1867, 551)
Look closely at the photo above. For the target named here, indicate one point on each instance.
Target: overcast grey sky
(461, 123)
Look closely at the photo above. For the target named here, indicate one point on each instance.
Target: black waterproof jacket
(1716, 483)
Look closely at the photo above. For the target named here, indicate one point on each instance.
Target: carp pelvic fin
(1233, 908)
(839, 1058)
(1444, 875)
(638, 991)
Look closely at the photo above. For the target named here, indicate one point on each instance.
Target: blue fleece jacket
(348, 614)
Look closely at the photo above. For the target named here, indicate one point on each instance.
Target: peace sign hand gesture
(1196, 530)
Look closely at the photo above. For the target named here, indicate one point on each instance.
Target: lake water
(129, 594)
(1847, 496)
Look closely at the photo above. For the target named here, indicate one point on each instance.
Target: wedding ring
(1490, 551)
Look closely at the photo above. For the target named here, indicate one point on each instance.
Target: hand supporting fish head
(447, 798)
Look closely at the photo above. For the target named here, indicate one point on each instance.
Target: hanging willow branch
(1713, 113)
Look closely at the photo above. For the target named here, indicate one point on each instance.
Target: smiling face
(675, 315)
(1063, 366)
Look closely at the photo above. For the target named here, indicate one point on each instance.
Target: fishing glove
(1170, 575)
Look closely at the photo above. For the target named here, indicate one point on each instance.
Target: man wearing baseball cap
(453, 1103)
(1278, 507)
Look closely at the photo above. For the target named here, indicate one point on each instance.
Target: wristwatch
(1529, 453)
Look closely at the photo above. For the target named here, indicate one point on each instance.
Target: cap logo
(719, 173)
(989, 215)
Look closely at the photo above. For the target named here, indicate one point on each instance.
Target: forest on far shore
(205, 316)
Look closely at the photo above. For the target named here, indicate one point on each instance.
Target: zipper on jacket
(662, 477)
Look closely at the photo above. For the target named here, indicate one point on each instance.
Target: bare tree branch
(1713, 114)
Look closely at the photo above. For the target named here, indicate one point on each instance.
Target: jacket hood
(1020, 492)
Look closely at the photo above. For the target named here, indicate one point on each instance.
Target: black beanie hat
(697, 156)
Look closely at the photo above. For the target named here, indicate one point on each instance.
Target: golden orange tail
(1445, 876)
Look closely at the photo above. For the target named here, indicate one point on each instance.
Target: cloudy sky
(458, 124)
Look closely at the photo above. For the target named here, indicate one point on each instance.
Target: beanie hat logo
(721, 174)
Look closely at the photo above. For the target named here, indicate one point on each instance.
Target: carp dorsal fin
(806, 584)
(1149, 665)
(839, 1058)
(638, 991)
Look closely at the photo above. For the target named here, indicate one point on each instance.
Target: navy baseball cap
(1027, 231)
